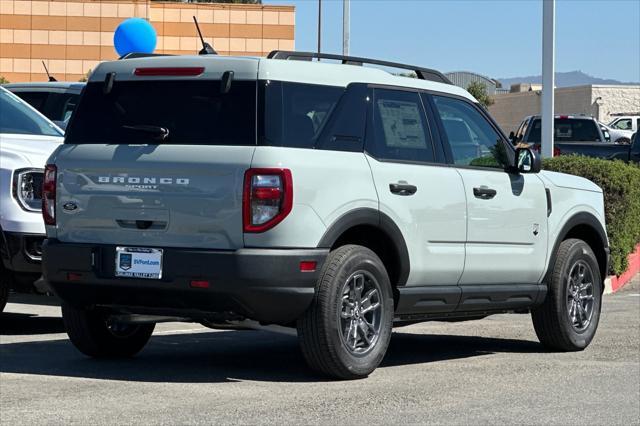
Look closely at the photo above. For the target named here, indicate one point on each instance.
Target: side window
(294, 113)
(624, 124)
(344, 130)
(399, 127)
(472, 139)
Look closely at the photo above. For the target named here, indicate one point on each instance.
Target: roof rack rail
(134, 55)
(421, 73)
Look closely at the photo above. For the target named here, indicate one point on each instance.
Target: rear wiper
(161, 133)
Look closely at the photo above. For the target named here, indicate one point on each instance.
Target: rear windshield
(18, 118)
(174, 112)
(568, 130)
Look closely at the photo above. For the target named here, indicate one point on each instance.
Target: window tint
(294, 113)
(472, 139)
(141, 112)
(60, 106)
(17, 118)
(399, 127)
(35, 99)
(567, 130)
(344, 129)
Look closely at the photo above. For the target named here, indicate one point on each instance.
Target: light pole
(548, 76)
(345, 27)
(319, 26)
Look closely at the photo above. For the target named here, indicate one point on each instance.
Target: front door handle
(402, 188)
(484, 192)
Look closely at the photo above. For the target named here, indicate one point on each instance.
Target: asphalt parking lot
(489, 371)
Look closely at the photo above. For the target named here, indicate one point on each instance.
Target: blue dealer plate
(138, 262)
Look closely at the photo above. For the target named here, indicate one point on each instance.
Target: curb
(613, 283)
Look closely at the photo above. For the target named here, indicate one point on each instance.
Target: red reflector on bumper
(73, 276)
(199, 284)
(308, 266)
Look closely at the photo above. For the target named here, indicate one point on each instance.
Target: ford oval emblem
(70, 206)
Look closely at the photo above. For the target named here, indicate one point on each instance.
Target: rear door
(423, 197)
(506, 241)
(157, 162)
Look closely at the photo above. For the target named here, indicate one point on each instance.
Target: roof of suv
(247, 68)
(45, 85)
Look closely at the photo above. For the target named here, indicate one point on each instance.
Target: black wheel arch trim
(581, 218)
(378, 219)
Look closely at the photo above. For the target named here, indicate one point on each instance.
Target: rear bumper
(21, 252)
(261, 284)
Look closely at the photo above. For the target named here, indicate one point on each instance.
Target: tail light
(267, 198)
(556, 151)
(49, 194)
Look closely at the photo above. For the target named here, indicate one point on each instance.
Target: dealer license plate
(138, 262)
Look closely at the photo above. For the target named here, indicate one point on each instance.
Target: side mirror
(527, 161)
(512, 137)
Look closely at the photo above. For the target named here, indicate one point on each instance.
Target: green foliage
(479, 91)
(86, 77)
(3, 80)
(620, 183)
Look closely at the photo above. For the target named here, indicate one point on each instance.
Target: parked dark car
(580, 135)
(567, 129)
(55, 100)
(608, 151)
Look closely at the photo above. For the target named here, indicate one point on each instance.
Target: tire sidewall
(367, 261)
(579, 251)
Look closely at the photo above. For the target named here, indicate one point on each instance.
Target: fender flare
(377, 219)
(581, 218)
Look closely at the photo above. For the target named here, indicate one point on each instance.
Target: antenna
(47, 71)
(206, 47)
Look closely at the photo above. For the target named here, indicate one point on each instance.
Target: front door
(506, 240)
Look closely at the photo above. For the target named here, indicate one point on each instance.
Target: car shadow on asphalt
(15, 324)
(229, 356)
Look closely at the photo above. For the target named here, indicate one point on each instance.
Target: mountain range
(563, 79)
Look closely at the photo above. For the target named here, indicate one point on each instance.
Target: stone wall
(72, 36)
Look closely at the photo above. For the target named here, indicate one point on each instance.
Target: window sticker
(402, 124)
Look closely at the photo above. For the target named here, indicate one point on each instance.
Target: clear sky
(495, 38)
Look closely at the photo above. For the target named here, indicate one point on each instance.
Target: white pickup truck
(27, 138)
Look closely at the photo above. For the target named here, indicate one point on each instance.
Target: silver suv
(334, 198)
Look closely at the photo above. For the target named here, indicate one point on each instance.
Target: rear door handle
(484, 192)
(402, 188)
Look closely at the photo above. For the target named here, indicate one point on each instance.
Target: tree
(3, 80)
(479, 91)
(86, 77)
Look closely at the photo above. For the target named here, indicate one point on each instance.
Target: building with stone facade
(73, 36)
(599, 101)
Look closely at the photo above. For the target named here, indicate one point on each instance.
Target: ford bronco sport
(331, 197)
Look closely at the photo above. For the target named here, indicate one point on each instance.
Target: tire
(351, 274)
(92, 334)
(4, 287)
(567, 320)
(4, 293)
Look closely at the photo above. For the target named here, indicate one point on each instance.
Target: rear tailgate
(155, 154)
(152, 195)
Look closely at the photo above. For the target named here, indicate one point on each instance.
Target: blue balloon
(134, 35)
